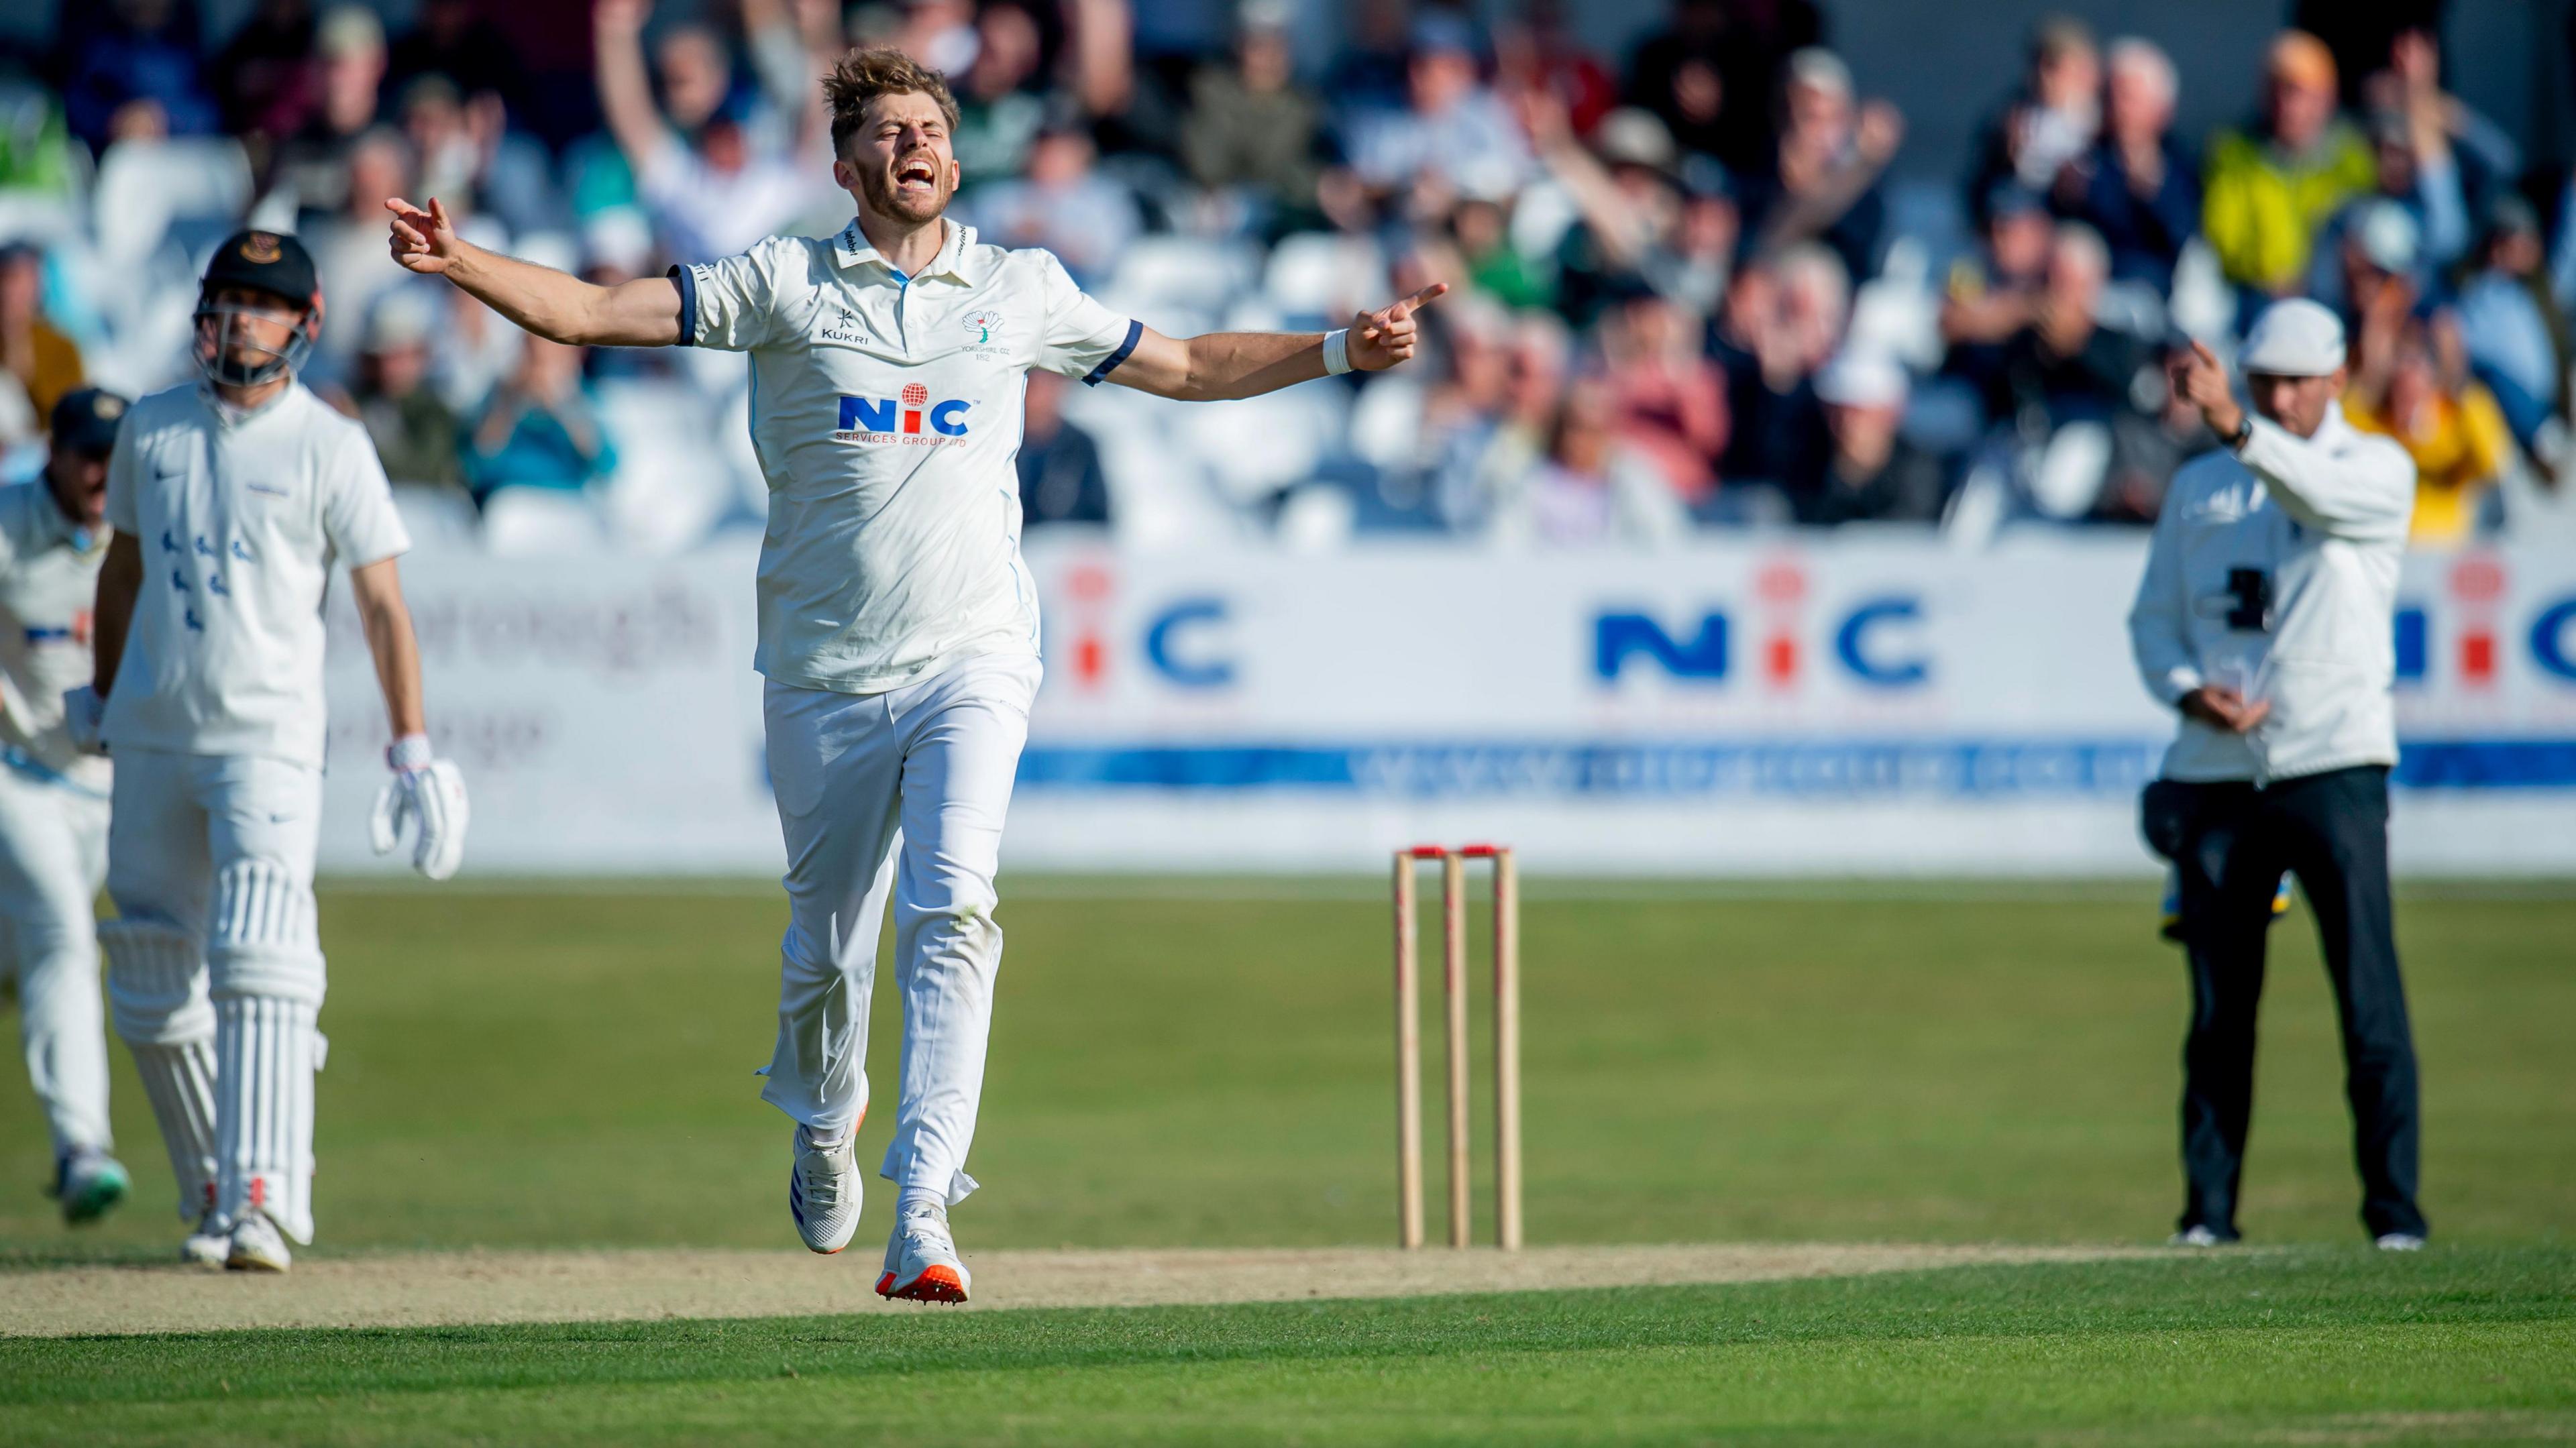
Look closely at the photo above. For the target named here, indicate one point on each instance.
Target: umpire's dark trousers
(2230, 844)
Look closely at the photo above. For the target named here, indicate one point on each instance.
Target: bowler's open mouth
(920, 171)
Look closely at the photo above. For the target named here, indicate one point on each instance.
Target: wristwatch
(2243, 435)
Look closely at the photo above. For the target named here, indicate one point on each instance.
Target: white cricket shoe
(2399, 1242)
(257, 1245)
(211, 1240)
(2196, 1237)
(823, 1190)
(921, 1262)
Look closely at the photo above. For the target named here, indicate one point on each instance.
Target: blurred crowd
(1691, 292)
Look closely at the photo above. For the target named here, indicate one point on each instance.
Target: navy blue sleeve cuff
(688, 284)
(1109, 364)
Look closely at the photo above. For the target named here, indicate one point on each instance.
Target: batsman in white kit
(53, 796)
(232, 499)
(898, 624)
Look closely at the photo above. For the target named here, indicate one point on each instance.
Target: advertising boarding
(1794, 706)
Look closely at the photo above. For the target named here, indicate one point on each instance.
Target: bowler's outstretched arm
(1222, 365)
(554, 305)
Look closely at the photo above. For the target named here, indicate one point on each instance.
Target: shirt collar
(230, 416)
(956, 256)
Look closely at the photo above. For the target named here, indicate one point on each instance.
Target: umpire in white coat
(2265, 619)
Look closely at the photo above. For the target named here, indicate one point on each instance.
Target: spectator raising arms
(2052, 123)
(1822, 181)
(710, 184)
(1713, 73)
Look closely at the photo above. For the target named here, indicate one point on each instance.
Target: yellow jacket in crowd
(2261, 209)
(2459, 445)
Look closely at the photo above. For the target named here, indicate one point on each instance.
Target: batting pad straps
(263, 941)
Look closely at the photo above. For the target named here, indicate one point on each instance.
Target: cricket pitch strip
(452, 1288)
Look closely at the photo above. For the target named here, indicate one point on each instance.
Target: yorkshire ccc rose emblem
(260, 248)
(982, 324)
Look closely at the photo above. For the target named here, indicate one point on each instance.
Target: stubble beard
(887, 200)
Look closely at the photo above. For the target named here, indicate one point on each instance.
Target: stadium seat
(2066, 476)
(1185, 270)
(1295, 427)
(1386, 422)
(1897, 313)
(1317, 279)
(440, 520)
(541, 523)
(672, 483)
(2203, 305)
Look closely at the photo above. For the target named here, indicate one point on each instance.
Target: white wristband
(408, 753)
(1337, 352)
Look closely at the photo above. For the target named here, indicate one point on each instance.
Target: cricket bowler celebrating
(232, 499)
(898, 625)
(53, 797)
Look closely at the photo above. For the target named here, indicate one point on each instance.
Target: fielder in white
(898, 625)
(53, 798)
(232, 499)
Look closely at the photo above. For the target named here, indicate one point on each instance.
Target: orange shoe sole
(935, 1284)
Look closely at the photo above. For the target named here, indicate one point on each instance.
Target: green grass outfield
(2304, 1346)
(1194, 1064)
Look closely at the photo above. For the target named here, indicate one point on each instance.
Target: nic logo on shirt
(884, 419)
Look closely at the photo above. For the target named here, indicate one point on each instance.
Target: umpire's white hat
(2296, 338)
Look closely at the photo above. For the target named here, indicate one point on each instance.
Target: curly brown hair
(879, 70)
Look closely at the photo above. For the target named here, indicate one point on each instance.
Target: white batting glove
(82, 711)
(428, 793)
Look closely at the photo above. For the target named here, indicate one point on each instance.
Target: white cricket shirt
(48, 580)
(2274, 572)
(886, 412)
(240, 517)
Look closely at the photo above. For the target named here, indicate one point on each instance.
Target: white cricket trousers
(53, 854)
(215, 971)
(899, 792)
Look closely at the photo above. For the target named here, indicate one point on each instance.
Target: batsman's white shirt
(886, 412)
(48, 580)
(240, 516)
